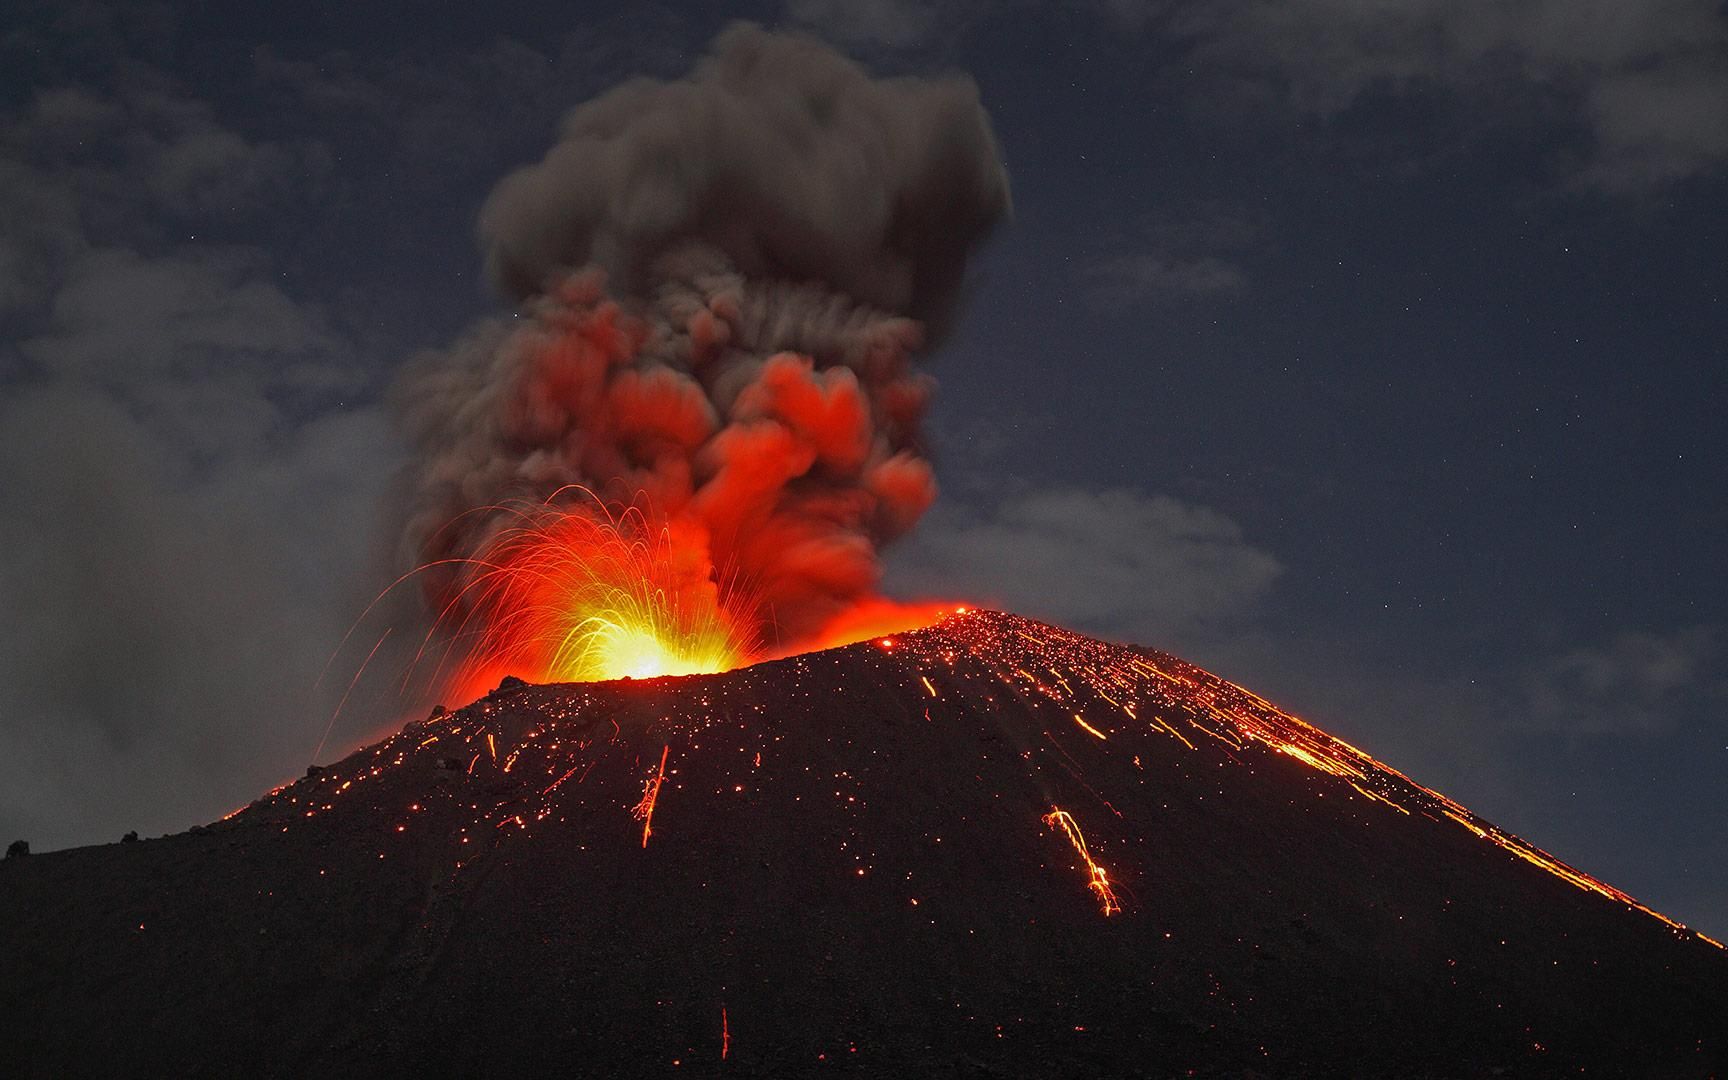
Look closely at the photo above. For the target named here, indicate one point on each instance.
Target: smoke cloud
(724, 283)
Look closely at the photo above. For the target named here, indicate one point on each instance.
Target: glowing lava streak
(644, 811)
(1059, 818)
(579, 594)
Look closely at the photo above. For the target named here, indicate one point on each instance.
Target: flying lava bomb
(687, 446)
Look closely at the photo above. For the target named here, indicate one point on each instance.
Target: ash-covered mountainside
(991, 847)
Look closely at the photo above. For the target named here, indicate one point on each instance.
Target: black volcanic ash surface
(849, 869)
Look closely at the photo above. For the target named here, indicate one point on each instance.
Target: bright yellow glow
(579, 594)
(1089, 728)
(1096, 879)
(602, 647)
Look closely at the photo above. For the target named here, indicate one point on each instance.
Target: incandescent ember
(990, 844)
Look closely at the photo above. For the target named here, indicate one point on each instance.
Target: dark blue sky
(1374, 359)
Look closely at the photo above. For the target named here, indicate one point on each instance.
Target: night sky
(1371, 356)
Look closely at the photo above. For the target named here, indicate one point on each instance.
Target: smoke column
(722, 286)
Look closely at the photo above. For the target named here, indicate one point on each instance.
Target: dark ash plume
(723, 283)
(780, 153)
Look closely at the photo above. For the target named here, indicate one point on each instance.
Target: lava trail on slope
(987, 847)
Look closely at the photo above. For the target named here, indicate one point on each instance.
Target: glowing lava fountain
(583, 595)
(583, 592)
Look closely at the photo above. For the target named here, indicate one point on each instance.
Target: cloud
(119, 313)
(1172, 257)
(185, 540)
(124, 166)
(1646, 82)
(1145, 276)
(166, 622)
(1638, 683)
(165, 147)
(1116, 562)
(189, 503)
(1660, 124)
(40, 230)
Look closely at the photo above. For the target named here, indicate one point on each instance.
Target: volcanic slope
(991, 847)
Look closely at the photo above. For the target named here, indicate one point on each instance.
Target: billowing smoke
(723, 285)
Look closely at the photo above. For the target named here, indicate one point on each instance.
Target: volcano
(988, 847)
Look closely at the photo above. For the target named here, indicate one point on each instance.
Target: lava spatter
(981, 844)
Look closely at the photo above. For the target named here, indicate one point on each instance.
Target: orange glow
(1090, 730)
(644, 811)
(879, 618)
(574, 590)
(578, 594)
(1096, 880)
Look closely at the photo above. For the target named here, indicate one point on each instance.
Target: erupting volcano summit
(988, 847)
(981, 846)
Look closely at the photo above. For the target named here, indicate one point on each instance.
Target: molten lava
(581, 595)
(1096, 879)
(575, 592)
(878, 617)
